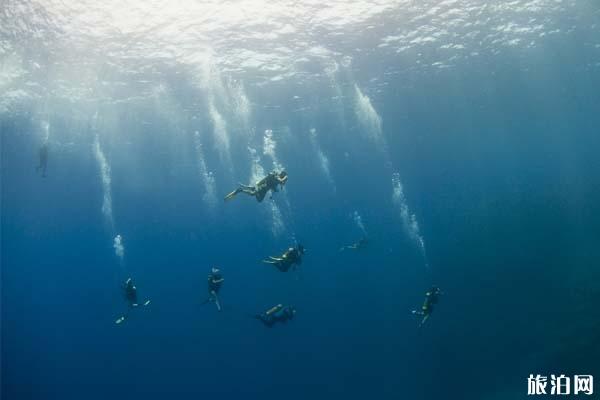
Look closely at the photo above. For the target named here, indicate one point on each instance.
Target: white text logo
(560, 385)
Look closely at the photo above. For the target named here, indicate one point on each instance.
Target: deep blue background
(499, 162)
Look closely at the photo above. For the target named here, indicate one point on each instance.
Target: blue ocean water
(460, 137)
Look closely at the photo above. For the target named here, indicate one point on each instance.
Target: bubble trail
(323, 160)
(104, 167)
(368, 117)
(359, 223)
(119, 248)
(257, 173)
(409, 220)
(208, 180)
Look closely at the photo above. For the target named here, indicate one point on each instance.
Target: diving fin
(120, 320)
(231, 195)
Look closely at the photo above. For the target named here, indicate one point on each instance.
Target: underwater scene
(251, 199)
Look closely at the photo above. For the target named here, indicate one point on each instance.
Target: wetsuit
(270, 182)
(131, 293)
(277, 314)
(215, 281)
(291, 257)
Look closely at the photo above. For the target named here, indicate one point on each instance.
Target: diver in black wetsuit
(279, 313)
(290, 258)
(262, 187)
(431, 298)
(130, 294)
(43, 155)
(215, 281)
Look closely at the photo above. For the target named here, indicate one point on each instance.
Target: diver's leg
(216, 300)
(122, 318)
(273, 260)
(232, 194)
(424, 320)
(248, 190)
(260, 195)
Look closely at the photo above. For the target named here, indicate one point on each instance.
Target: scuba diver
(431, 298)
(130, 293)
(361, 244)
(43, 154)
(215, 280)
(279, 313)
(268, 183)
(290, 258)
